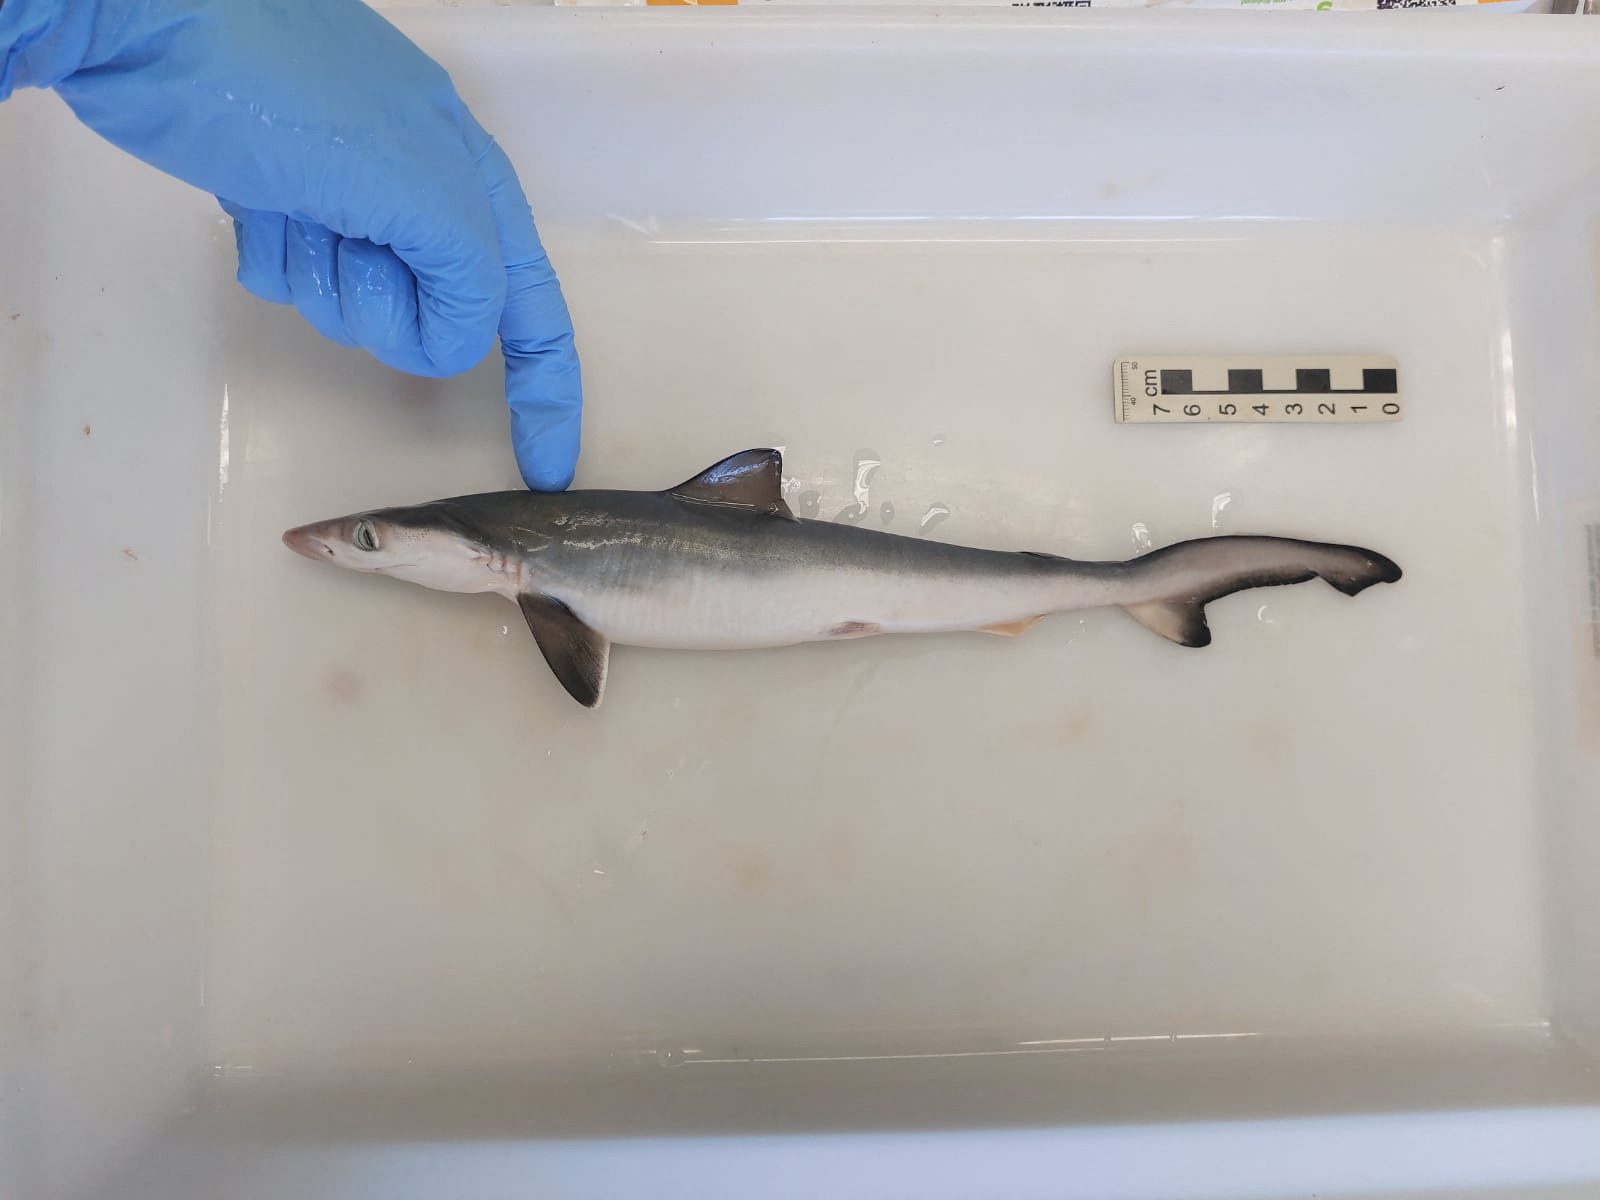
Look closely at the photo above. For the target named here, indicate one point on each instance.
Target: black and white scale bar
(1294, 388)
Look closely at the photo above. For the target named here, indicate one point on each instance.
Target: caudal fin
(1173, 585)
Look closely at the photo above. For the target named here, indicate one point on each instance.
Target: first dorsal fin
(751, 479)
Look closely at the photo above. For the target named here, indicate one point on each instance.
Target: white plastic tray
(318, 885)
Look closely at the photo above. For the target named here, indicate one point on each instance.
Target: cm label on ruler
(1347, 388)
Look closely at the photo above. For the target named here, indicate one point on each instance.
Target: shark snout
(304, 540)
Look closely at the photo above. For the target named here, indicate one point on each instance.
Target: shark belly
(757, 607)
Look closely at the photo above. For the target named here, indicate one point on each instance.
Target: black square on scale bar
(1177, 383)
(1312, 379)
(1379, 379)
(1246, 381)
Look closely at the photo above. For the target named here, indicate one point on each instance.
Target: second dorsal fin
(751, 479)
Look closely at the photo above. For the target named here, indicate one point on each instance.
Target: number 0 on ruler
(1307, 388)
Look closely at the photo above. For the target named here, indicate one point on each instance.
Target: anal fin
(1181, 621)
(577, 654)
(1011, 628)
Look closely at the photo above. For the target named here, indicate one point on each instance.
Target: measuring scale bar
(1340, 388)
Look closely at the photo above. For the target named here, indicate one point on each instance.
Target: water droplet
(1219, 504)
(938, 439)
(504, 630)
(669, 1058)
(886, 512)
(850, 515)
(867, 464)
(809, 503)
(1141, 537)
(931, 519)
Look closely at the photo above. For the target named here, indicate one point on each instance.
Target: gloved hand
(362, 190)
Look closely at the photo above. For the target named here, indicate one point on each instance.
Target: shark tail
(1172, 586)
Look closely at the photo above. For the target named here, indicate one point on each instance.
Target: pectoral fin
(577, 654)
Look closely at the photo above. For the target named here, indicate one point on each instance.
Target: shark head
(423, 544)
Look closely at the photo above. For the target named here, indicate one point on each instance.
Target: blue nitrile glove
(361, 188)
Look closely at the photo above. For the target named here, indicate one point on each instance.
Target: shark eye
(365, 536)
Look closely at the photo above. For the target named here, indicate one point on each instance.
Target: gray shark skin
(719, 562)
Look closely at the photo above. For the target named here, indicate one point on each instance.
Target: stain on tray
(1270, 742)
(344, 686)
(752, 870)
(1078, 725)
(131, 553)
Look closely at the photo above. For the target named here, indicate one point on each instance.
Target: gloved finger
(259, 238)
(544, 384)
(378, 300)
(311, 267)
(546, 419)
(460, 282)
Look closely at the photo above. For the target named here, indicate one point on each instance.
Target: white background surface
(342, 848)
(923, 841)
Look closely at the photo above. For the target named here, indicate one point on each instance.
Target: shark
(720, 562)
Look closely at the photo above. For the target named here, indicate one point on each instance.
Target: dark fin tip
(1377, 569)
(577, 654)
(1181, 621)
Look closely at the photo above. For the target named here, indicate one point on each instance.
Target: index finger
(544, 385)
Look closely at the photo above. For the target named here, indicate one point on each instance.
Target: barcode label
(1303, 389)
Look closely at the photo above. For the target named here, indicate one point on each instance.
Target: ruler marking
(1233, 389)
(1284, 392)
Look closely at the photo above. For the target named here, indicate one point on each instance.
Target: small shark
(719, 562)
